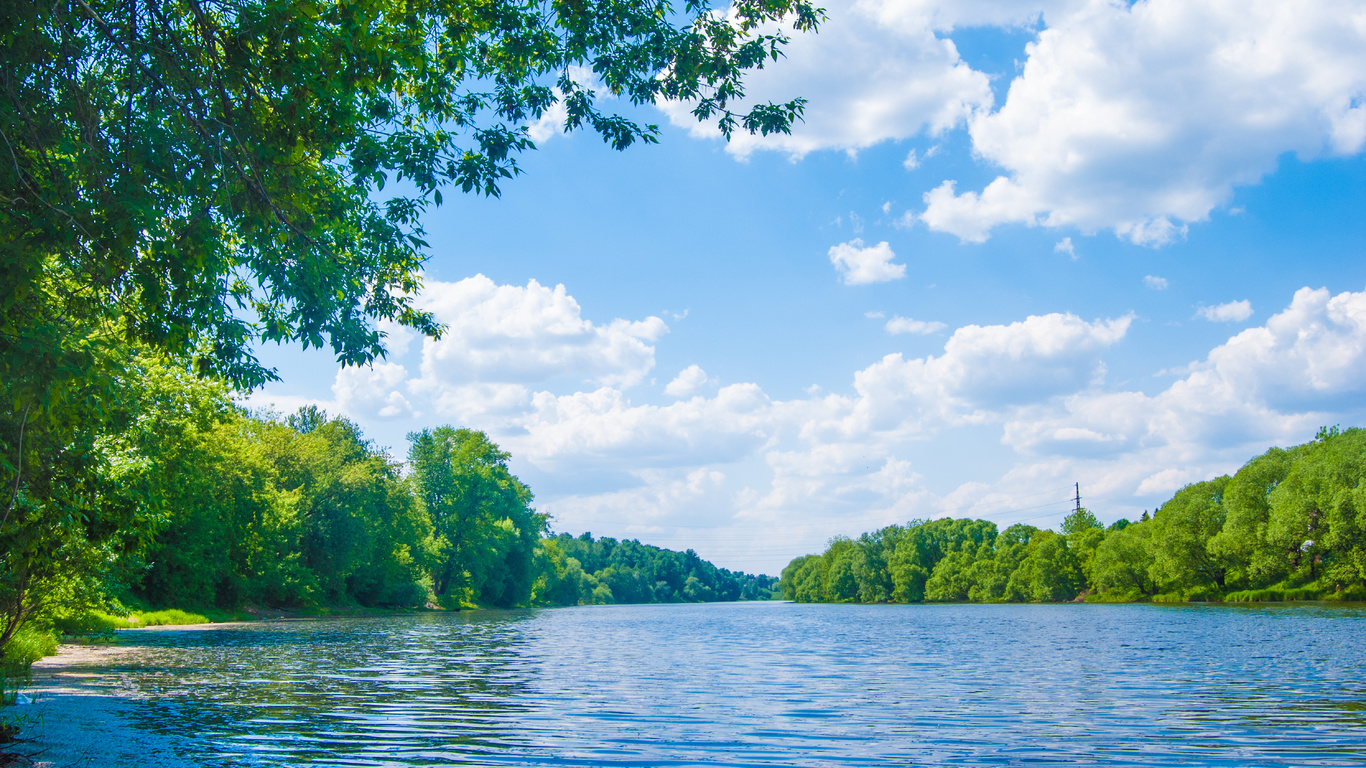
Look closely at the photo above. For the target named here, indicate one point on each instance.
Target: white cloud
(1142, 118)
(687, 382)
(372, 391)
(868, 76)
(1232, 312)
(1154, 282)
(529, 335)
(602, 429)
(1270, 385)
(900, 324)
(1065, 246)
(858, 265)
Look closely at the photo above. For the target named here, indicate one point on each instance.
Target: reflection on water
(772, 684)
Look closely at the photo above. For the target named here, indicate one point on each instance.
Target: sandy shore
(80, 715)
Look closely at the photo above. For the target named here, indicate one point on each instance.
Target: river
(762, 684)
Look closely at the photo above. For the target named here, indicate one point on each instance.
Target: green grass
(1273, 595)
(25, 647)
(169, 617)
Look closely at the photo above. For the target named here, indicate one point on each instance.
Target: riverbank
(81, 716)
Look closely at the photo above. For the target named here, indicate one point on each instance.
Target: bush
(1354, 592)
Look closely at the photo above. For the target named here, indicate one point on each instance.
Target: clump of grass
(1273, 595)
(94, 624)
(16, 665)
(169, 617)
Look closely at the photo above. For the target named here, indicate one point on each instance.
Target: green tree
(1124, 561)
(1048, 573)
(487, 531)
(1316, 522)
(180, 161)
(1183, 530)
(1084, 534)
(1243, 539)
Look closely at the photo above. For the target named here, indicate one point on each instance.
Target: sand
(80, 715)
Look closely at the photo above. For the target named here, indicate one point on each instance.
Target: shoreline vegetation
(1290, 525)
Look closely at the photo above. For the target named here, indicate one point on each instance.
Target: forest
(1289, 525)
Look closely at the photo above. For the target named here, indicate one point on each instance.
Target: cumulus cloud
(899, 324)
(1154, 282)
(1232, 312)
(372, 390)
(859, 265)
(1065, 246)
(604, 429)
(871, 75)
(687, 382)
(528, 335)
(1267, 385)
(1142, 118)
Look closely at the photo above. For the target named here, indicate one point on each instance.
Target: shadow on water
(772, 684)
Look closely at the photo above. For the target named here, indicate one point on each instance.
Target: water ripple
(771, 684)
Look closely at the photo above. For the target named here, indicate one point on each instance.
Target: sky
(1013, 247)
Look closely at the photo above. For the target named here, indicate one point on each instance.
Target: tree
(1247, 507)
(1183, 529)
(1084, 533)
(487, 531)
(1123, 562)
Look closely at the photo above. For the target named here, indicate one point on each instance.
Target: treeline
(604, 571)
(202, 505)
(1291, 524)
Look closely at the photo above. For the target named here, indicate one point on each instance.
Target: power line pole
(1078, 499)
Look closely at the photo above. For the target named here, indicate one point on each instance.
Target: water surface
(761, 684)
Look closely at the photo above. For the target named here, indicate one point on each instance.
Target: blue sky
(1014, 246)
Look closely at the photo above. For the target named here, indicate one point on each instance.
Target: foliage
(26, 646)
(584, 570)
(486, 531)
